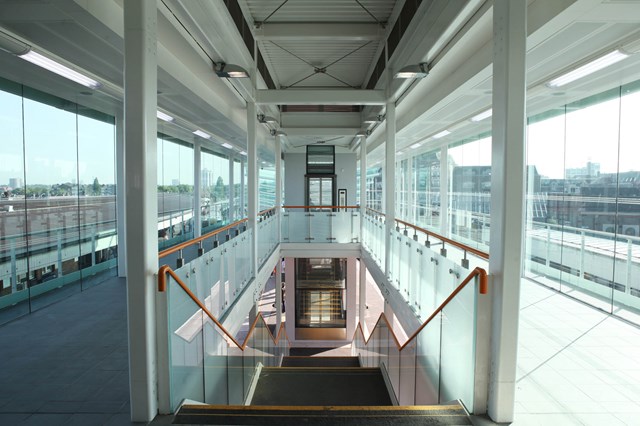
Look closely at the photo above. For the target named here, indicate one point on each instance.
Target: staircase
(321, 391)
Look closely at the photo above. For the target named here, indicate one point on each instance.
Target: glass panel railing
(437, 363)
(304, 224)
(206, 362)
(185, 342)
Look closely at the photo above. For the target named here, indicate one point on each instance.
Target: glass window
(582, 223)
(58, 218)
(470, 192)
(175, 191)
(214, 201)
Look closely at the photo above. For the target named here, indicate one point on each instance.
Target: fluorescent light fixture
(55, 67)
(482, 115)
(202, 134)
(413, 71)
(442, 134)
(227, 145)
(243, 153)
(12, 45)
(165, 117)
(589, 68)
(416, 145)
(230, 70)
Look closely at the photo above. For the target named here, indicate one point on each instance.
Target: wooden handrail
(193, 241)
(320, 207)
(462, 246)
(162, 287)
(483, 289)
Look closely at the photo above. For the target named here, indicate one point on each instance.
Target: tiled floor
(576, 365)
(67, 363)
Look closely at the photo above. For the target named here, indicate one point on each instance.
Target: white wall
(296, 167)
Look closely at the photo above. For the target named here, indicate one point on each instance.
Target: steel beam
(320, 97)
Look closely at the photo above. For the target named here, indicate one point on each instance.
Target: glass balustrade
(320, 225)
(206, 363)
(437, 363)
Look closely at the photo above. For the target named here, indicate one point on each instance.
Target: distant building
(16, 183)
(175, 182)
(590, 171)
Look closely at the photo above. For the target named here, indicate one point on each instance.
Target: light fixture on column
(229, 70)
(279, 132)
(420, 70)
(364, 133)
(266, 119)
(588, 68)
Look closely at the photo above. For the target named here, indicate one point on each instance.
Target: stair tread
(321, 386)
(323, 415)
(320, 361)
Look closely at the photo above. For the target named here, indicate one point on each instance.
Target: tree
(97, 189)
(219, 191)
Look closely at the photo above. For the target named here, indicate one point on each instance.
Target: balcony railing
(438, 361)
(321, 224)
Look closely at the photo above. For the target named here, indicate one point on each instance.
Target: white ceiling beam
(321, 131)
(320, 119)
(319, 31)
(321, 97)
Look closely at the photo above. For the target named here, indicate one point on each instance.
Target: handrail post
(180, 260)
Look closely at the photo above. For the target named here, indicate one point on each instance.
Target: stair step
(320, 361)
(338, 386)
(317, 415)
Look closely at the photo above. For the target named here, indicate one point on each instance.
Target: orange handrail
(193, 241)
(320, 207)
(162, 287)
(462, 246)
(483, 289)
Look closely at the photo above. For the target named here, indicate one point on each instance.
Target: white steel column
(197, 187)
(120, 197)
(444, 192)
(389, 182)
(411, 210)
(278, 141)
(362, 303)
(507, 199)
(289, 295)
(140, 105)
(243, 183)
(352, 282)
(252, 177)
(232, 190)
(278, 206)
(278, 290)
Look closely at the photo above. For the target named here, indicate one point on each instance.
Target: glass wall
(583, 214)
(470, 192)
(175, 191)
(426, 199)
(57, 199)
(374, 188)
(266, 176)
(215, 191)
(238, 209)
